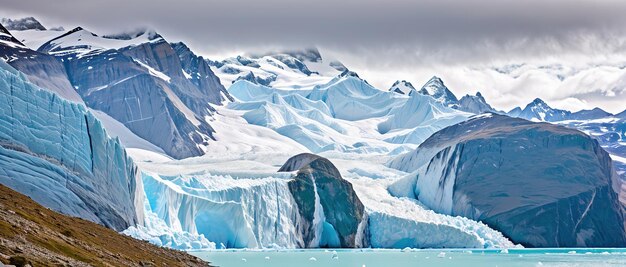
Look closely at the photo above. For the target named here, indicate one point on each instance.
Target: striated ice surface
(58, 153)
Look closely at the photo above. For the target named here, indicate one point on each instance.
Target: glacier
(257, 209)
(59, 154)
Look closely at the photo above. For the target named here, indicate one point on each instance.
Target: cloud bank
(462, 41)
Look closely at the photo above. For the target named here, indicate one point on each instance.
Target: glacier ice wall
(59, 154)
(231, 212)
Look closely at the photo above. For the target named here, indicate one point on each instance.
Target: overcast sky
(461, 41)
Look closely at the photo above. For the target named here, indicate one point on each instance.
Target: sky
(570, 53)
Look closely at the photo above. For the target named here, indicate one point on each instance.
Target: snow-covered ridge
(296, 69)
(27, 23)
(80, 42)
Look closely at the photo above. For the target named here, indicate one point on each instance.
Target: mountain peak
(349, 73)
(129, 35)
(402, 87)
(539, 110)
(436, 88)
(7, 38)
(538, 101)
(23, 24)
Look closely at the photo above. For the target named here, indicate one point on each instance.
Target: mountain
(28, 23)
(58, 153)
(438, 90)
(199, 72)
(538, 110)
(596, 113)
(402, 87)
(34, 234)
(297, 69)
(421, 110)
(514, 112)
(521, 178)
(474, 104)
(140, 80)
(621, 115)
(42, 69)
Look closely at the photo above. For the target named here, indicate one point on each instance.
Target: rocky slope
(41, 69)
(33, 234)
(141, 81)
(541, 185)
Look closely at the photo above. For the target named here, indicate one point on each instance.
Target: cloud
(384, 40)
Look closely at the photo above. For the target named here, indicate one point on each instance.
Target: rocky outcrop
(326, 202)
(28, 23)
(541, 185)
(41, 69)
(200, 74)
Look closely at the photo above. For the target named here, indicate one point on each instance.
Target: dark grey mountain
(541, 185)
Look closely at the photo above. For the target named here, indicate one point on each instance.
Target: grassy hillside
(31, 233)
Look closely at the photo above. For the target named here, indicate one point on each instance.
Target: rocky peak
(28, 23)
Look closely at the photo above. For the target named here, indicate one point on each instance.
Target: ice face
(59, 154)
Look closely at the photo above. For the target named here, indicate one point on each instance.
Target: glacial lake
(426, 257)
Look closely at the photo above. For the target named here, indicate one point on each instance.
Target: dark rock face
(28, 23)
(256, 80)
(318, 181)
(161, 95)
(201, 74)
(41, 69)
(541, 185)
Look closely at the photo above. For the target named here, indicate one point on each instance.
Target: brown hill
(31, 233)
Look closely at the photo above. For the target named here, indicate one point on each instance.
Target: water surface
(426, 257)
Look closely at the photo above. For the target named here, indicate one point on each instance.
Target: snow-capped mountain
(28, 23)
(402, 87)
(474, 104)
(438, 90)
(538, 110)
(519, 177)
(143, 83)
(284, 69)
(514, 112)
(596, 113)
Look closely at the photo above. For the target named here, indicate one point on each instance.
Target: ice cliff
(58, 153)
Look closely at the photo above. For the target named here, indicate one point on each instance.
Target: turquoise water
(427, 257)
